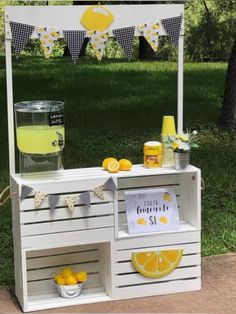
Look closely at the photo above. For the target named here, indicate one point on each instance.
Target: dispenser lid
(39, 106)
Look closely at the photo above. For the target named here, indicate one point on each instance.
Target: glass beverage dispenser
(40, 135)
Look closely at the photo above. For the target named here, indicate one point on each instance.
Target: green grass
(112, 109)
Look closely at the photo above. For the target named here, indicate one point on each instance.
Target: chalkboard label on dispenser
(56, 118)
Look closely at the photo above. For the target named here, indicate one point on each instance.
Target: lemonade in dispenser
(40, 135)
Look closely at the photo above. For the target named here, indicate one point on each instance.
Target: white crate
(96, 240)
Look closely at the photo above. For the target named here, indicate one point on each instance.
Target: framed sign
(151, 210)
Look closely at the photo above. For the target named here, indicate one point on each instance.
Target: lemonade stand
(79, 217)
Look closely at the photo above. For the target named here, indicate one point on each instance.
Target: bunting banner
(125, 37)
(39, 198)
(74, 41)
(53, 201)
(48, 38)
(21, 34)
(110, 185)
(150, 32)
(25, 191)
(70, 202)
(99, 191)
(172, 26)
(98, 40)
(85, 198)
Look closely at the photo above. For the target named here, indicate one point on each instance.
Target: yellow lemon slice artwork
(141, 221)
(167, 197)
(156, 264)
(97, 18)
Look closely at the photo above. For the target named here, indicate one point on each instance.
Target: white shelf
(98, 172)
(184, 227)
(52, 300)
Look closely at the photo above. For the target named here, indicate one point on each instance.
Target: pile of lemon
(112, 165)
(68, 277)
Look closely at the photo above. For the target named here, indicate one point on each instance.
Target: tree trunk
(145, 50)
(228, 113)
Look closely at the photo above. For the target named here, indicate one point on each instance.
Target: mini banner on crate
(151, 210)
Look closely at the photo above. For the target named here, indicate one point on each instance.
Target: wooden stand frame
(96, 240)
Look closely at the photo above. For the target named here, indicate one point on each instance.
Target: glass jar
(152, 154)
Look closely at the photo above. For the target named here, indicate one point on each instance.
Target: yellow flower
(175, 145)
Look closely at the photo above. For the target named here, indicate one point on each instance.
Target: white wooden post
(10, 108)
(180, 83)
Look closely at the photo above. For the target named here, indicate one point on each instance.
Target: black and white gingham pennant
(75, 41)
(172, 26)
(125, 37)
(20, 35)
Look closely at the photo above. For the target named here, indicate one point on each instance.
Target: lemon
(106, 161)
(71, 280)
(163, 219)
(156, 264)
(81, 277)
(67, 272)
(167, 197)
(113, 166)
(59, 280)
(141, 221)
(125, 164)
(97, 18)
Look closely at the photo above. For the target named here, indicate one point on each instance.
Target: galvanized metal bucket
(181, 160)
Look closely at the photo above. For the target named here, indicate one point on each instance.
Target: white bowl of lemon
(69, 283)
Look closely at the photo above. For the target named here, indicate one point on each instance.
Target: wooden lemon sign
(156, 264)
(97, 18)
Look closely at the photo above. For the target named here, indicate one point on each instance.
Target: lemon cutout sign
(151, 210)
(97, 18)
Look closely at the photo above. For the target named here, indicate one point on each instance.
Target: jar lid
(152, 144)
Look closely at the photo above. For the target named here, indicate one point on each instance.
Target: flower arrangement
(183, 143)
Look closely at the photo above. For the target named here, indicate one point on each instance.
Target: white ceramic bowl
(69, 291)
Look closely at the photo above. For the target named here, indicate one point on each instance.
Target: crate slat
(64, 213)
(187, 260)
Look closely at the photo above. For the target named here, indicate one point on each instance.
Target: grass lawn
(112, 109)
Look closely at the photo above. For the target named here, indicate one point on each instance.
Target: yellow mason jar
(152, 154)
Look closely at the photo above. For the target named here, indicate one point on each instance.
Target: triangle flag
(110, 185)
(39, 198)
(85, 198)
(98, 40)
(99, 191)
(172, 26)
(53, 201)
(75, 41)
(150, 32)
(48, 38)
(20, 35)
(125, 37)
(25, 191)
(70, 202)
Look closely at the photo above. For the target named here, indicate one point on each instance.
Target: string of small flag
(69, 200)
(21, 34)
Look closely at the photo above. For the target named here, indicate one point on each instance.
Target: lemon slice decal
(97, 18)
(156, 264)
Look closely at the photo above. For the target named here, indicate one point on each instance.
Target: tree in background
(228, 113)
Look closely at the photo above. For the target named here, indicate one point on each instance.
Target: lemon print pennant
(97, 18)
(156, 264)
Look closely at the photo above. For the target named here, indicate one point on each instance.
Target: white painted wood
(48, 301)
(10, 107)
(190, 248)
(64, 213)
(54, 240)
(81, 174)
(187, 260)
(155, 240)
(28, 203)
(46, 273)
(66, 226)
(62, 259)
(180, 86)
(68, 17)
(137, 279)
(158, 289)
